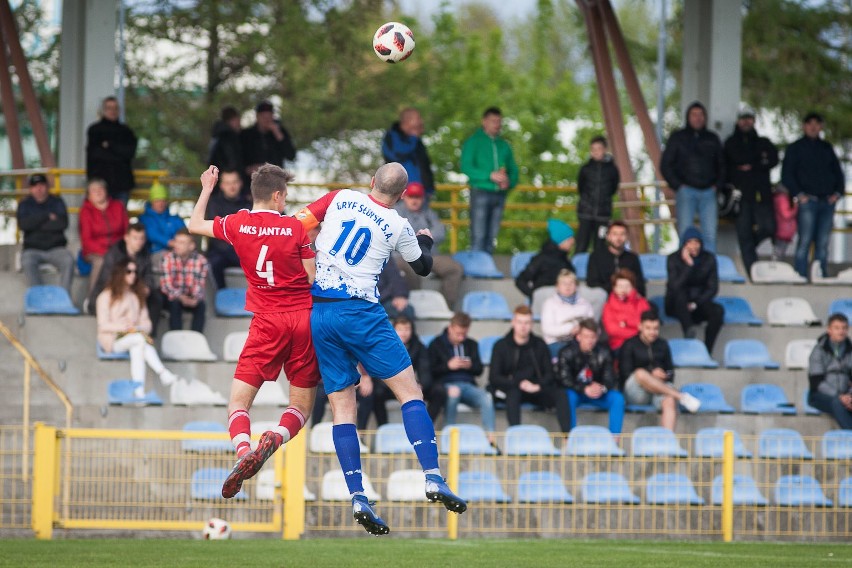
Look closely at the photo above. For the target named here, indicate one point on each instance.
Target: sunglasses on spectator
(131, 271)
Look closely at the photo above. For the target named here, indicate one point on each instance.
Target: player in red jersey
(278, 262)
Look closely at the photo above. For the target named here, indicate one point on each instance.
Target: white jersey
(357, 238)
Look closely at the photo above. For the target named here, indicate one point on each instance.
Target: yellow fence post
(44, 482)
(728, 486)
(453, 482)
(294, 487)
(454, 217)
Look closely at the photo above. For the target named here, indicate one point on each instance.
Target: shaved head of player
(389, 182)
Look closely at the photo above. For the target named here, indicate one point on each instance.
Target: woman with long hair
(623, 309)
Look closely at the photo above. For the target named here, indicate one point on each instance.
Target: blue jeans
(816, 219)
(613, 401)
(486, 212)
(831, 405)
(474, 397)
(692, 200)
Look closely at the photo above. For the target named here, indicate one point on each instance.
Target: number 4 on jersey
(268, 273)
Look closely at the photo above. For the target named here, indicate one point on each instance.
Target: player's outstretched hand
(209, 178)
(426, 232)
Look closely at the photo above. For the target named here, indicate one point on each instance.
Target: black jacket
(511, 363)
(112, 163)
(603, 264)
(441, 351)
(397, 148)
(693, 157)
(262, 148)
(597, 183)
(747, 148)
(226, 150)
(811, 167)
(636, 354)
(572, 362)
(40, 232)
(420, 361)
(700, 281)
(220, 206)
(543, 268)
(391, 283)
(118, 253)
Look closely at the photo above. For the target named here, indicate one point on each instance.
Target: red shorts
(276, 340)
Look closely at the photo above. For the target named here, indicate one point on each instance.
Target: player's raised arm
(420, 260)
(197, 224)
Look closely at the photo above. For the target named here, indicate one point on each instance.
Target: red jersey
(271, 247)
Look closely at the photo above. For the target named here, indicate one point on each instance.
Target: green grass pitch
(399, 553)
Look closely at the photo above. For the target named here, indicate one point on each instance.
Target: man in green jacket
(488, 163)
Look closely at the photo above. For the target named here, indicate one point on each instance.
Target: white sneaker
(139, 392)
(689, 402)
(168, 378)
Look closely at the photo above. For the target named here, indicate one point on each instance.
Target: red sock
(239, 427)
(291, 422)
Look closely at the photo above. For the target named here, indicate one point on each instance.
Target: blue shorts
(349, 332)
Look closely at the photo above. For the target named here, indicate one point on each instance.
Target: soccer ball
(217, 529)
(393, 42)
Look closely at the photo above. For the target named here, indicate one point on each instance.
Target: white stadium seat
(791, 311)
(322, 441)
(186, 345)
(798, 352)
(406, 485)
(334, 487)
(773, 272)
(429, 304)
(233, 346)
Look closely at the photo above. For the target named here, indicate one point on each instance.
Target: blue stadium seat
(472, 440)
(477, 264)
(205, 445)
(231, 302)
(542, 487)
(121, 392)
(691, 353)
(709, 443)
(671, 489)
(654, 266)
(737, 311)
(640, 408)
(48, 300)
(656, 441)
(607, 487)
(800, 491)
(782, 443)
(104, 356)
(747, 354)
(711, 397)
(837, 445)
(480, 486)
(765, 399)
(727, 270)
(581, 264)
(844, 493)
(519, 261)
(841, 306)
(486, 305)
(592, 441)
(659, 302)
(392, 439)
(207, 484)
(486, 347)
(807, 408)
(746, 492)
(529, 440)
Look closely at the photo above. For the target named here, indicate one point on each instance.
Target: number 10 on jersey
(358, 245)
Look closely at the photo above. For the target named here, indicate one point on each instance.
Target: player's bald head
(391, 179)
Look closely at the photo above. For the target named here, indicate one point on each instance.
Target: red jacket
(101, 229)
(621, 317)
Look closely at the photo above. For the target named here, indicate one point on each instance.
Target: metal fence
(15, 477)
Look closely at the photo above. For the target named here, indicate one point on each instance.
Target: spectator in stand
(647, 372)
(550, 260)
(563, 311)
(229, 200)
(693, 165)
(102, 223)
(110, 149)
(749, 159)
(489, 164)
(521, 371)
(403, 143)
(606, 260)
(183, 282)
(133, 246)
(455, 364)
(226, 151)
(160, 225)
(584, 368)
(786, 211)
(597, 184)
(265, 142)
(814, 177)
(413, 207)
(393, 292)
(693, 283)
(829, 372)
(43, 219)
(623, 309)
(124, 325)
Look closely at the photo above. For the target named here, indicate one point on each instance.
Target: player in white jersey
(349, 326)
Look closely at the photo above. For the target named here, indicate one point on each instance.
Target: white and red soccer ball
(217, 529)
(393, 42)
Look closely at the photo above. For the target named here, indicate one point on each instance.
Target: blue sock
(349, 455)
(421, 434)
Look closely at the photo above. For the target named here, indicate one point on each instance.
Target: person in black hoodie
(553, 257)
(749, 159)
(110, 149)
(522, 371)
(606, 260)
(693, 165)
(597, 184)
(403, 143)
(226, 152)
(693, 283)
(265, 142)
(229, 200)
